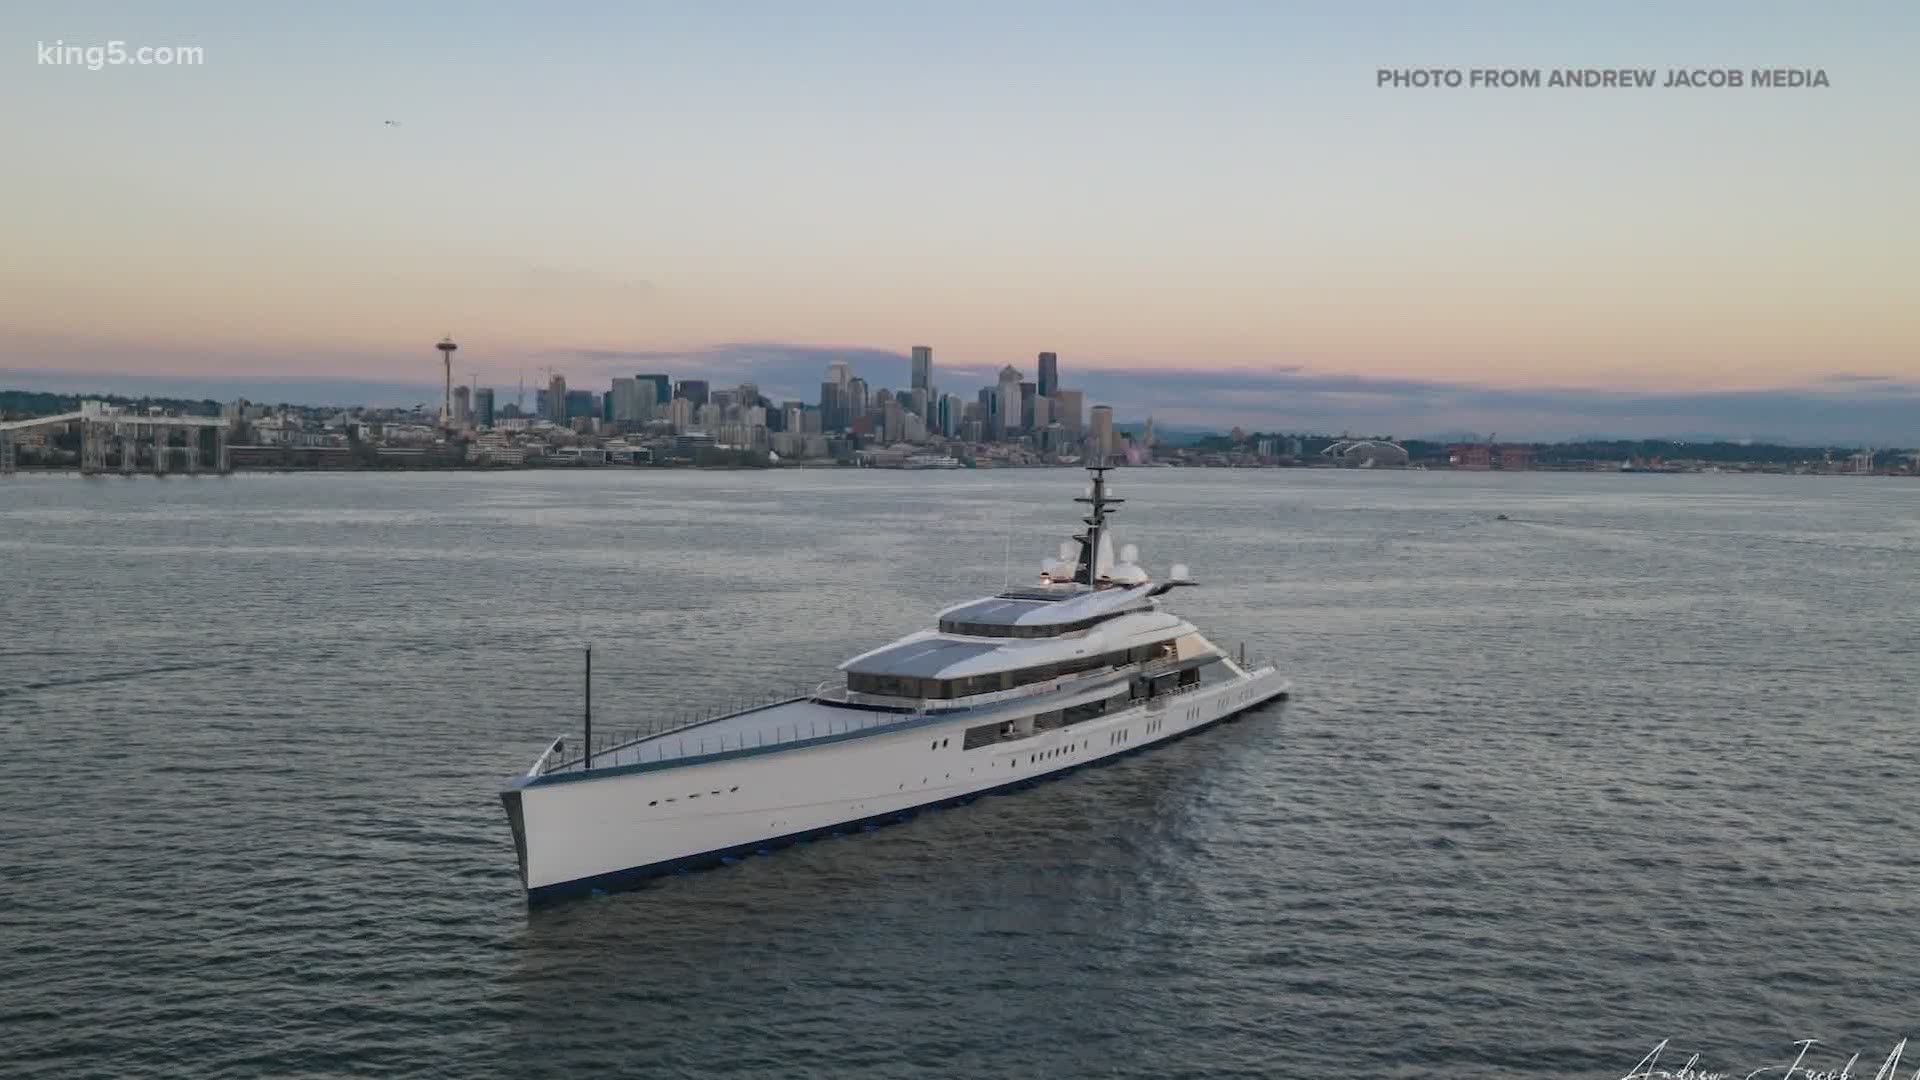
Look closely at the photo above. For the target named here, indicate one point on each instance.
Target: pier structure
(108, 433)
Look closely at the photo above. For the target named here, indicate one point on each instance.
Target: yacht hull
(606, 830)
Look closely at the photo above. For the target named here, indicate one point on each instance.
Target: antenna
(1007, 560)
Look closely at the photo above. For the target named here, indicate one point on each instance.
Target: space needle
(446, 348)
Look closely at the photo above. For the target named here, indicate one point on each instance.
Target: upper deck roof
(933, 655)
(1077, 606)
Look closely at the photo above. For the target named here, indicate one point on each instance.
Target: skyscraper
(1009, 404)
(923, 368)
(856, 399)
(840, 373)
(557, 399)
(626, 401)
(1067, 409)
(1049, 374)
(694, 390)
(483, 407)
(1102, 436)
(832, 406)
(462, 407)
(1029, 394)
(662, 388)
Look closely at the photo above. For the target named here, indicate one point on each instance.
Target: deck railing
(679, 736)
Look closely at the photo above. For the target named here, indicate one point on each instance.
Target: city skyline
(1844, 409)
(1226, 204)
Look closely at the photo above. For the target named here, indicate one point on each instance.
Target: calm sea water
(1637, 764)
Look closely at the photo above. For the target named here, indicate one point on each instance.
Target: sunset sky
(1217, 190)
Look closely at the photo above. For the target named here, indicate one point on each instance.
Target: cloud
(1845, 377)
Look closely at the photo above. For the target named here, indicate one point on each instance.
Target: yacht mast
(1102, 505)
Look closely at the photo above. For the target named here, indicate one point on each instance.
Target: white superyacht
(1080, 668)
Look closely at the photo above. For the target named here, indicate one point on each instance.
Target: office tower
(694, 390)
(832, 405)
(952, 411)
(1102, 435)
(840, 373)
(578, 403)
(1042, 413)
(625, 397)
(646, 405)
(922, 368)
(1009, 403)
(662, 388)
(540, 407)
(1028, 393)
(989, 409)
(1067, 410)
(483, 407)
(1049, 374)
(857, 404)
(893, 422)
(557, 399)
(680, 415)
(605, 410)
(462, 411)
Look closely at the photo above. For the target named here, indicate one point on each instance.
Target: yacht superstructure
(1079, 668)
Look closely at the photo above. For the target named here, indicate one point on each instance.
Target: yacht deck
(768, 725)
